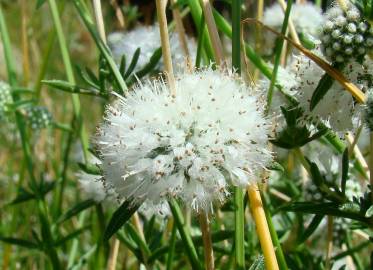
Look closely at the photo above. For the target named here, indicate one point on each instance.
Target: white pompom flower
(147, 38)
(192, 146)
(337, 108)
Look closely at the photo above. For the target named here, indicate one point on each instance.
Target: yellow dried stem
(213, 32)
(112, 262)
(357, 136)
(180, 29)
(118, 13)
(329, 246)
(25, 44)
(252, 79)
(207, 243)
(99, 19)
(262, 228)
(284, 51)
(279, 195)
(358, 155)
(334, 73)
(258, 34)
(166, 50)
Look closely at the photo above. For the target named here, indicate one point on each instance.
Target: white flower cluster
(330, 166)
(346, 34)
(38, 117)
(191, 146)
(337, 108)
(147, 38)
(340, 228)
(5, 99)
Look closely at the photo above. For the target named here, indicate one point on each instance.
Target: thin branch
(165, 40)
(213, 32)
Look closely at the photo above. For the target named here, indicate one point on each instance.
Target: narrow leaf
(122, 66)
(19, 242)
(39, 3)
(322, 88)
(83, 259)
(369, 212)
(119, 218)
(258, 264)
(76, 210)
(311, 228)
(322, 209)
(70, 236)
(90, 168)
(345, 163)
(86, 78)
(71, 88)
(133, 63)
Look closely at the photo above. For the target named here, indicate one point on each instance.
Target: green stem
(75, 244)
(44, 64)
(171, 250)
(41, 206)
(239, 212)
(185, 235)
(84, 14)
(355, 257)
(236, 35)
(279, 253)
(226, 28)
(239, 228)
(196, 11)
(70, 76)
(279, 45)
(201, 38)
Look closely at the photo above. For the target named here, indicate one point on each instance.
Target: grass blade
(185, 235)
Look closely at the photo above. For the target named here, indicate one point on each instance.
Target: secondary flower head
(147, 38)
(5, 99)
(191, 146)
(346, 34)
(38, 117)
(337, 108)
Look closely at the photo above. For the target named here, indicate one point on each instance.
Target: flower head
(191, 146)
(38, 117)
(147, 38)
(346, 34)
(5, 100)
(337, 108)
